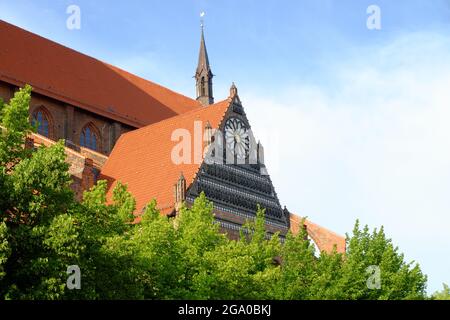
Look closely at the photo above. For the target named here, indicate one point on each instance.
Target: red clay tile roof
(77, 79)
(323, 238)
(142, 158)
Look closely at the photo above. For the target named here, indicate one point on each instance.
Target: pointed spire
(203, 74)
(262, 165)
(180, 190)
(208, 133)
(233, 90)
(203, 60)
(260, 150)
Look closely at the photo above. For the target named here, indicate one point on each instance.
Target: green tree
(398, 279)
(298, 269)
(106, 263)
(41, 237)
(159, 258)
(442, 295)
(197, 235)
(239, 269)
(15, 126)
(4, 248)
(38, 239)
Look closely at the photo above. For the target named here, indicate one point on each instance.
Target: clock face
(237, 138)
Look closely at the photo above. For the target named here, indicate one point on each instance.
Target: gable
(236, 185)
(142, 158)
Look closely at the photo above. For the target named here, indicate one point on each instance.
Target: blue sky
(354, 121)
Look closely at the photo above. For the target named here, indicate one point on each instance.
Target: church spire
(203, 61)
(203, 75)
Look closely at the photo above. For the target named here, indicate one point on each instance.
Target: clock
(237, 137)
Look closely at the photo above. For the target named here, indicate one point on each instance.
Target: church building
(161, 144)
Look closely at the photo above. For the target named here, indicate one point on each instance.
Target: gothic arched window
(41, 119)
(89, 137)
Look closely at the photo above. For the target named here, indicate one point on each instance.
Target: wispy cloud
(374, 145)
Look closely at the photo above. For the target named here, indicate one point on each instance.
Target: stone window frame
(95, 131)
(48, 116)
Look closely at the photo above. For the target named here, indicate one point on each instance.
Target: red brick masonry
(322, 237)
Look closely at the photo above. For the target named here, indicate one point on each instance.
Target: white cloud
(374, 146)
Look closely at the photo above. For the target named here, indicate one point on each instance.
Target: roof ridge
(47, 39)
(93, 58)
(156, 84)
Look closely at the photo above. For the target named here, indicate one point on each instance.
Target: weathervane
(202, 14)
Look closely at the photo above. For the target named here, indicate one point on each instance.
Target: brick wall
(325, 239)
(67, 121)
(84, 165)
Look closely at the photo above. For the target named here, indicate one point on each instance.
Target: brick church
(162, 144)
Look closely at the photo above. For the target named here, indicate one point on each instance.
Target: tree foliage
(442, 295)
(43, 230)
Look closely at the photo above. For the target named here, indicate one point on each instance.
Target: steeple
(204, 75)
